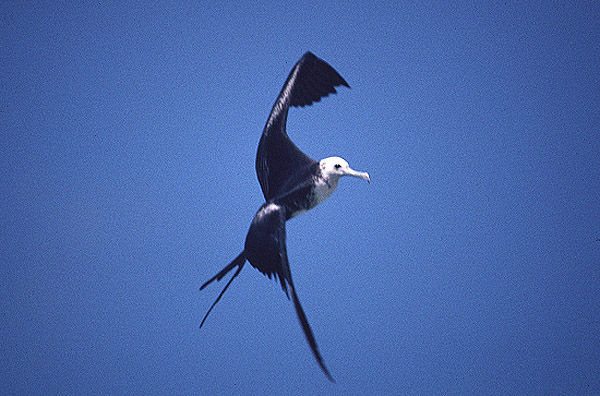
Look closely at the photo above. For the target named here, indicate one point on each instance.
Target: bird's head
(333, 168)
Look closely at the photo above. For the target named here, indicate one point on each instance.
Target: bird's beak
(362, 175)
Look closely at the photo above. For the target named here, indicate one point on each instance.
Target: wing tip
(325, 85)
(310, 337)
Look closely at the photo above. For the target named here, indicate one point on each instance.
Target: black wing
(266, 250)
(278, 157)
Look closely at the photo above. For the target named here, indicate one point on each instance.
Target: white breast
(323, 189)
(320, 192)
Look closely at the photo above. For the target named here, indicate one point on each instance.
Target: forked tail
(239, 261)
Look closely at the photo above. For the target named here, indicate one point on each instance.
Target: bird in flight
(291, 182)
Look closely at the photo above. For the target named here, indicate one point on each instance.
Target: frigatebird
(291, 182)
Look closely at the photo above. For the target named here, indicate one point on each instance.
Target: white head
(333, 168)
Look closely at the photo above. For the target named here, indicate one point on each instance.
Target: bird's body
(292, 184)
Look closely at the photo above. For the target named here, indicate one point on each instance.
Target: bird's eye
(337, 166)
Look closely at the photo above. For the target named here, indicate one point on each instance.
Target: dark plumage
(291, 182)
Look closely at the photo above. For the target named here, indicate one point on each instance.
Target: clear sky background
(469, 265)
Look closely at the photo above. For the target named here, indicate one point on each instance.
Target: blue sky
(469, 264)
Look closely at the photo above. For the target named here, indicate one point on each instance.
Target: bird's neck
(325, 186)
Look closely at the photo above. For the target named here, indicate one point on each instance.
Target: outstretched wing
(265, 249)
(278, 157)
